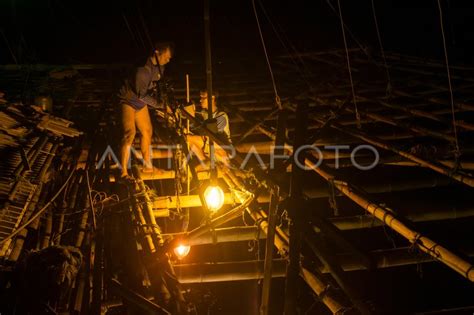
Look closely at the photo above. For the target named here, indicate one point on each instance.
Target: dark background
(84, 32)
(59, 31)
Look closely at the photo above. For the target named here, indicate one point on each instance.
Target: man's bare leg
(128, 124)
(144, 125)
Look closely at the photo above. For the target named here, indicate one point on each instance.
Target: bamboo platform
(319, 226)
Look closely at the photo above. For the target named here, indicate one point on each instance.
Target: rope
(349, 65)
(177, 179)
(130, 31)
(40, 212)
(415, 243)
(389, 83)
(145, 29)
(362, 48)
(277, 98)
(332, 197)
(284, 218)
(8, 46)
(89, 190)
(449, 80)
(469, 271)
(305, 72)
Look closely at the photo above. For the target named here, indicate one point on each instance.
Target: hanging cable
(458, 152)
(389, 81)
(8, 46)
(305, 72)
(135, 40)
(348, 64)
(91, 201)
(145, 28)
(364, 49)
(277, 98)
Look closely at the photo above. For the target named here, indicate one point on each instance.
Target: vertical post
(269, 244)
(280, 140)
(272, 212)
(97, 273)
(188, 175)
(295, 213)
(207, 39)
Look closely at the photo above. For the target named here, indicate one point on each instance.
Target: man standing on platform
(136, 94)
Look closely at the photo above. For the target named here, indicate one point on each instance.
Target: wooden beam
(136, 299)
(164, 174)
(248, 233)
(251, 270)
(187, 201)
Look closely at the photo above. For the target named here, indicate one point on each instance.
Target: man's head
(163, 53)
(204, 102)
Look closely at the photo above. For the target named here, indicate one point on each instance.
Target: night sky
(59, 31)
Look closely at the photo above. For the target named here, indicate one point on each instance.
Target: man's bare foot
(126, 178)
(152, 170)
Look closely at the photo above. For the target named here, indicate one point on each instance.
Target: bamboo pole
(424, 61)
(226, 217)
(251, 270)
(410, 69)
(48, 229)
(148, 208)
(248, 233)
(136, 299)
(20, 239)
(97, 260)
(190, 201)
(269, 245)
(330, 230)
(330, 263)
(296, 214)
(317, 53)
(367, 221)
(435, 100)
(465, 179)
(461, 105)
(146, 230)
(436, 89)
(281, 243)
(281, 238)
(417, 129)
(227, 271)
(188, 171)
(321, 289)
(70, 205)
(397, 160)
(164, 174)
(222, 235)
(83, 204)
(256, 125)
(317, 284)
(386, 216)
(420, 113)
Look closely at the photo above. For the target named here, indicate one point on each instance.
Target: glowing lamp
(182, 251)
(214, 197)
